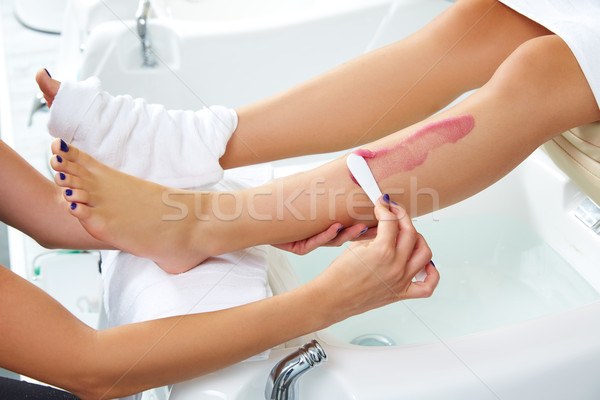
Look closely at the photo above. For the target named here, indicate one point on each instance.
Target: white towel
(138, 290)
(174, 148)
(577, 23)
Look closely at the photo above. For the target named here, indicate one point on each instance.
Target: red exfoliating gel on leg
(413, 151)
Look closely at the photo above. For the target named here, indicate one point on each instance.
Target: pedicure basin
(517, 311)
(515, 315)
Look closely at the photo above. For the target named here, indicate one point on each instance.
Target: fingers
(305, 246)
(368, 234)
(387, 228)
(412, 251)
(419, 257)
(407, 235)
(355, 232)
(418, 290)
(323, 238)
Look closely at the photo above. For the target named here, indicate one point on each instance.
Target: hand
(334, 236)
(381, 271)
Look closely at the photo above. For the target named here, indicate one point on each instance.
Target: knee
(481, 34)
(533, 68)
(537, 69)
(542, 77)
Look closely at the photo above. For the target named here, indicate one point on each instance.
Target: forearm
(43, 340)
(180, 348)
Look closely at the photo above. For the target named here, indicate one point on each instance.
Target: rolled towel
(173, 148)
(137, 290)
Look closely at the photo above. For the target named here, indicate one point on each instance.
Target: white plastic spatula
(362, 173)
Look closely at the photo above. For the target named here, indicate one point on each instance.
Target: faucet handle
(282, 383)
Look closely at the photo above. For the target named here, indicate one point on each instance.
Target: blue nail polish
(431, 261)
(48, 72)
(73, 206)
(386, 198)
(58, 158)
(340, 228)
(64, 146)
(363, 231)
(62, 176)
(68, 192)
(394, 203)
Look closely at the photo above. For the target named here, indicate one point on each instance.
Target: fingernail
(73, 206)
(386, 198)
(64, 146)
(62, 176)
(68, 192)
(431, 261)
(58, 158)
(394, 203)
(48, 72)
(363, 231)
(340, 228)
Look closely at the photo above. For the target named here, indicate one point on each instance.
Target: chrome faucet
(588, 212)
(141, 16)
(282, 383)
(39, 104)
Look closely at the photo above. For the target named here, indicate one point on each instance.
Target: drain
(372, 340)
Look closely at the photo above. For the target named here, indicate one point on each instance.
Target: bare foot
(129, 213)
(48, 86)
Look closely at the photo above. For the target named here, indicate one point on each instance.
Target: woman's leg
(385, 90)
(360, 101)
(537, 93)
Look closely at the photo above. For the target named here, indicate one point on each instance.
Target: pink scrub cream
(412, 151)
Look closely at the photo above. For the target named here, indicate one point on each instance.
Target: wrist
(323, 305)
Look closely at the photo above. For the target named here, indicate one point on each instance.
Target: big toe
(48, 86)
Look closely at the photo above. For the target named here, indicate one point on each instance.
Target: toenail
(58, 158)
(68, 192)
(62, 176)
(48, 72)
(64, 146)
(363, 231)
(73, 206)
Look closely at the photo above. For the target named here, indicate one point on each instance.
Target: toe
(79, 210)
(66, 180)
(76, 196)
(71, 153)
(48, 86)
(60, 164)
(62, 148)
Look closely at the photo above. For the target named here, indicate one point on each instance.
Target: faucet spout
(141, 16)
(282, 383)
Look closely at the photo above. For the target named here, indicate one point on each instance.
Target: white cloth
(138, 290)
(173, 148)
(577, 22)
